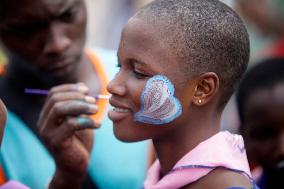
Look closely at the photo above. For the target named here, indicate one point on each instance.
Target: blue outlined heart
(158, 103)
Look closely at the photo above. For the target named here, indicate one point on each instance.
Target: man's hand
(65, 127)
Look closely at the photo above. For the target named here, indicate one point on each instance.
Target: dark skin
(44, 41)
(263, 131)
(221, 179)
(55, 34)
(63, 124)
(198, 96)
(142, 54)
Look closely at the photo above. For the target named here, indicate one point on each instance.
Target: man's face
(49, 35)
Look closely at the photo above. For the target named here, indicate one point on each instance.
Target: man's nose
(57, 40)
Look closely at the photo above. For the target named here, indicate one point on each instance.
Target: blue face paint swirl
(158, 103)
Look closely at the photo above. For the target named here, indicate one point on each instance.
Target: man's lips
(58, 64)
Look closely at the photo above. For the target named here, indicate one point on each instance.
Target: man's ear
(206, 88)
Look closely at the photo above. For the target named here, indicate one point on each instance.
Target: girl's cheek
(158, 103)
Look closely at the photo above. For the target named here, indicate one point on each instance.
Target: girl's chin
(127, 137)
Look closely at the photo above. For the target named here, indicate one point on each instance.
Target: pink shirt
(13, 185)
(221, 150)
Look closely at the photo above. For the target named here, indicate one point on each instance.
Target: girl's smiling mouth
(118, 112)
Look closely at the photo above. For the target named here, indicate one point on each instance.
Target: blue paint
(158, 103)
(83, 121)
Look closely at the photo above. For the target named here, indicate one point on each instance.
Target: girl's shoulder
(222, 178)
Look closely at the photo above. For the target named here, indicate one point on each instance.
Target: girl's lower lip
(116, 115)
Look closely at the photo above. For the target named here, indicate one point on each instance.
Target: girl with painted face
(179, 63)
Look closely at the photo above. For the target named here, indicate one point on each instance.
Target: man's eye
(68, 16)
(24, 31)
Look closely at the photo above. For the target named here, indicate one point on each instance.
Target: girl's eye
(139, 75)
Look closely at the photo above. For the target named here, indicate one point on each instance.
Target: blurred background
(107, 18)
(263, 18)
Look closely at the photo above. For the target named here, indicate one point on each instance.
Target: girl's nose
(117, 86)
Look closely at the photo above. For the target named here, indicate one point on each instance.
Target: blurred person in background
(45, 46)
(264, 19)
(260, 102)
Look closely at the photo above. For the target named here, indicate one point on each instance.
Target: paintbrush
(45, 92)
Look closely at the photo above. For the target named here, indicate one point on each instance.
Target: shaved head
(207, 36)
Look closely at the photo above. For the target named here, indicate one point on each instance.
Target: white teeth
(120, 110)
(280, 165)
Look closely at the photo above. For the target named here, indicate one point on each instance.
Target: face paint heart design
(159, 106)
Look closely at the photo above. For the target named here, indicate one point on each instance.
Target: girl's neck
(170, 149)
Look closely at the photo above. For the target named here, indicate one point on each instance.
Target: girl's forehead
(143, 41)
(141, 34)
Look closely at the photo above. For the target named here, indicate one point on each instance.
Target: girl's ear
(206, 88)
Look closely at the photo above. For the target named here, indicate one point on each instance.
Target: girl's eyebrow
(137, 61)
(132, 61)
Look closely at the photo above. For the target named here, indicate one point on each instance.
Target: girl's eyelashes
(140, 75)
(134, 67)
